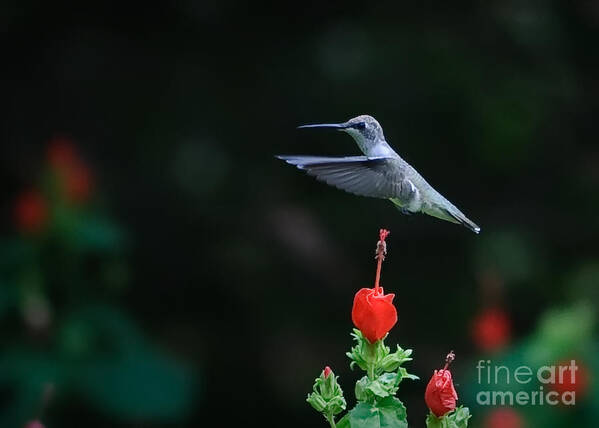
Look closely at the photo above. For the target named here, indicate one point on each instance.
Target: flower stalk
(381, 252)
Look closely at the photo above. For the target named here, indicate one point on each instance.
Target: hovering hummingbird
(380, 173)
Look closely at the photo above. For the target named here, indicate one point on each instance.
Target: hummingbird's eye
(360, 125)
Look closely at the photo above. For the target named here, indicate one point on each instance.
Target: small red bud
(383, 233)
(327, 371)
(440, 394)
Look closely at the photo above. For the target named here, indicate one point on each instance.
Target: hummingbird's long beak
(326, 125)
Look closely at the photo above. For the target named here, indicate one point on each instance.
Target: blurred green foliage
(74, 338)
(562, 335)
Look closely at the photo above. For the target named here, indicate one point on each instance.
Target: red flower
(440, 395)
(327, 372)
(74, 175)
(503, 418)
(577, 382)
(30, 212)
(373, 313)
(491, 330)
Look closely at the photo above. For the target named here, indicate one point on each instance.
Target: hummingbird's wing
(378, 177)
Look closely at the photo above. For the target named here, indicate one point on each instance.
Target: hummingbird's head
(365, 130)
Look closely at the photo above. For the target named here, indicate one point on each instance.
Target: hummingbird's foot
(405, 211)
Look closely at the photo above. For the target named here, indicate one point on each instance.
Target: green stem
(372, 362)
(331, 420)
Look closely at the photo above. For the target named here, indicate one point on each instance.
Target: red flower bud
(440, 395)
(503, 418)
(491, 330)
(31, 212)
(327, 371)
(373, 314)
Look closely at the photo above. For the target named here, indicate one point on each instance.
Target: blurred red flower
(440, 394)
(373, 313)
(578, 383)
(327, 372)
(503, 418)
(78, 183)
(30, 211)
(61, 153)
(491, 330)
(75, 176)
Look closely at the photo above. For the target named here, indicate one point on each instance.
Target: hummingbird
(380, 173)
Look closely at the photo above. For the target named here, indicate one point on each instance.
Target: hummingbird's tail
(465, 221)
(453, 215)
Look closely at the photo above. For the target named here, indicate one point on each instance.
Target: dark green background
(242, 268)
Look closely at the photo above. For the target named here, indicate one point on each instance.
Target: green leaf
(364, 415)
(336, 405)
(432, 421)
(360, 353)
(361, 390)
(343, 422)
(390, 381)
(316, 401)
(393, 413)
(378, 389)
(384, 386)
(377, 357)
(457, 418)
(387, 413)
(403, 373)
(390, 362)
(461, 416)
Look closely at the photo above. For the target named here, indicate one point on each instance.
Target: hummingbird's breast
(381, 149)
